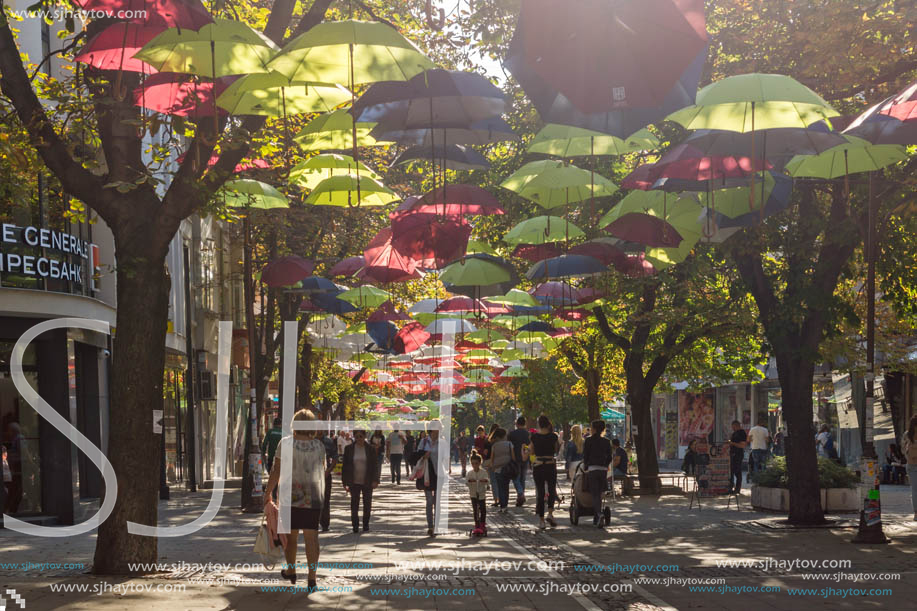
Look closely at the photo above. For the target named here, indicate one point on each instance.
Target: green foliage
(830, 474)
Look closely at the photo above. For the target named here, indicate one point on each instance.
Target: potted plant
(838, 487)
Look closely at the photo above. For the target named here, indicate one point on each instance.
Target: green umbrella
(351, 190)
(541, 230)
(513, 322)
(733, 202)
(247, 193)
(350, 51)
(222, 48)
(312, 171)
(474, 272)
(856, 156)
(568, 141)
(686, 219)
(483, 336)
(367, 296)
(334, 131)
(551, 183)
(653, 203)
(750, 102)
(515, 372)
(272, 95)
(478, 375)
(512, 354)
(515, 297)
(481, 353)
(477, 246)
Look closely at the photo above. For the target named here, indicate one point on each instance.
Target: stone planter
(833, 500)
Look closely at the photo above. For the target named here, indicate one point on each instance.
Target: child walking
(478, 481)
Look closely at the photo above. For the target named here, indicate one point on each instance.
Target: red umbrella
(308, 306)
(645, 229)
(466, 345)
(588, 295)
(189, 14)
(555, 293)
(537, 252)
(495, 309)
(430, 239)
(460, 304)
(606, 55)
(602, 249)
(386, 311)
(286, 271)
(640, 178)
(346, 268)
(384, 263)
(452, 200)
(574, 314)
(181, 95)
(689, 163)
(410, 337)
(636, 266)
(903, 105)
(114, 47)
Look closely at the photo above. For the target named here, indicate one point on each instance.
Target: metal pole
(251, 476)
(189, 376)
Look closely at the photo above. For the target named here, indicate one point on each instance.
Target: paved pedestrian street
(396, 566)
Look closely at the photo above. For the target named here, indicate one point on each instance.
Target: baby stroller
(581, 499)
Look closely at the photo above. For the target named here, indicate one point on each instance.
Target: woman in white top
(307, 493)
(430, 447)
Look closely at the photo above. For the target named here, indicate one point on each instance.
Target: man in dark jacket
(596, 458)
(331, 456)
(360, 475)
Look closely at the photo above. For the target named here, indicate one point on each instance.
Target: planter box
(833, 500)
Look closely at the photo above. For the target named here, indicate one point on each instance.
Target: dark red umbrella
(346, 268)
(495, 309)
(640, 178)
(588, 295)
(465, 345)
(460, 304)
(636, 266)
(645, 229)
(114, 47)
(574, 314)
(903, 105)
(604, 55)
(180, 94)
(432, 240)
(452, 200)
(410, 337)
(286, 271)
(386, 312)
(603, 249)
(555, 293)
(189, 14)
(537, 252)
(385, 264)
(689, 163)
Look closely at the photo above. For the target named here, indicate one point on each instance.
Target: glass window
(19, 436)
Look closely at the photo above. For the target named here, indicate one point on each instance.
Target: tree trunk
(647, 463)
(592, 379)
(138, 362)
(305, 376)
(801, 459)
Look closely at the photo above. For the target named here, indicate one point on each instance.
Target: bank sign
(40, 263)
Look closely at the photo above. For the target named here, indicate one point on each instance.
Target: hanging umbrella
(309, 173)
(452, 200)
(733, 202)
(688, 163)
(856, 156)
(515, 297)
(636, 266)
(566, 266)
(326, 327)
(555, 294)
(900, 107)
(352, 52)
(776, 143)
(486, 131)
(351, 190)
(432, 240)
(425, 306)
(383, 334)
(410, 337)
(456, 325)
(483, 336)
(180, 95)
(115, 47)
(387, 311)
(537, 252)
(222, 48)
(542, 229)
(460, 304)
(455, 157)
(272, 95)
(247, 193)
(365, 296)
(346, 268)
(334, 131)
(317, 284)
(385, 264)
(243, 166)
(189, 14)
(477, 246)
(551, 183)
(331, 304)
(606, 250)
(430, 98)
(286, 271)
(642, 217)
(570, 141)
(471, 271)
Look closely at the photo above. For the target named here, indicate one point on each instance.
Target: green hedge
(830, 474)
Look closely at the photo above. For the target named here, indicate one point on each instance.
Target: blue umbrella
(537, 326)
(532, 310)
(317, 284)
(566, 266)
(383, 333)
(487, 131)
(457, 157)
(331, 304)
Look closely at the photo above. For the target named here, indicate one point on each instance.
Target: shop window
(19, 436)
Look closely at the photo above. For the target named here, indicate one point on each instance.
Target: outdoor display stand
(711, 474)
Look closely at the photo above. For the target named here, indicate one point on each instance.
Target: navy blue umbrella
(383, 333)
(487, 131)
(566, 266)
(317, 284)
(537, 326)
(532, 310)
(456, 157)
(331, 304)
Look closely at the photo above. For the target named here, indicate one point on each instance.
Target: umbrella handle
(711, 224)
(434, 24)
(119, 89)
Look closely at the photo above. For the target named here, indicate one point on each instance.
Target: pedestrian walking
(360, 476)
(779, 436)
(309, 472)
(520, 438)
(463, 444)
(596, 458)
(478, 482)
(427, 481)
(759, 437)
(394, 449)
(488, 447)
(378, 443)
(573, 452)
(409, 443)
(736, 445)
(269, 445)
(502, 466)
(910, 454)
(331, 457)
(619, 460)
(545, 444)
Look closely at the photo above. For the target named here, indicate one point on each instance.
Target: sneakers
(551, 522)
(520, 501)
(542, 525)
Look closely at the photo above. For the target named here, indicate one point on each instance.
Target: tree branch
(311, 19)
(618, 340)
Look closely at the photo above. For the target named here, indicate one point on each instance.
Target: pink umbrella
(410, 337)
(555, 293)
(286, 271)
(451, 201)
(430, 239)
(495, 309)
(386, 311)
(645, 229)
(384, 263)
(637, 266)
(460, 304)
(189, 14)
(180, 94)
(689, 163)
(346, 268)
(574, 314)
(114, 47)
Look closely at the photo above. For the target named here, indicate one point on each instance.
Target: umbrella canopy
(350, 51)
(642, 216)
(272, 95)
(452, 200)
(653, 42)
(425, 306)
(365, 296)
(460, 304)
(346, 268)
(776, 143)
(387, 311)
(189, 14)
(515, 297)
(734, 202)
(454, 156)
(456, 325)
(606, 250)
(471, 271)
(247, 193)
(383, 333)
(179, 94)
(334, 131)
(222, 48)
(312, 171)
(286, 271)
(317, 284)
(410, 337)
(688, 163)
(566, 266)
(351, 190)
(384, 263)
(555, 294)
(900, 107)
(431, 239)
(537, 252)
(542, 229)
(857, 155)
(750, 102)
(477, 246)
(551, 184)
(570, 141)
(486, 131)
(329, 302)
(429, 99)
(115, 47)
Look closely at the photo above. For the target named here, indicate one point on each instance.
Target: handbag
(266, 548)
(510, 470)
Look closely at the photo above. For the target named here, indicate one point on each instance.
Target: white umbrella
(425, 306)
(327, 327)
(453, 325)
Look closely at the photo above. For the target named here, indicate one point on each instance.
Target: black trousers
(325, 519)
(735, 474)
(408, 465)
(355, 491)
(480, 511)
(545, 476)
(395, 467)
(596, 482)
